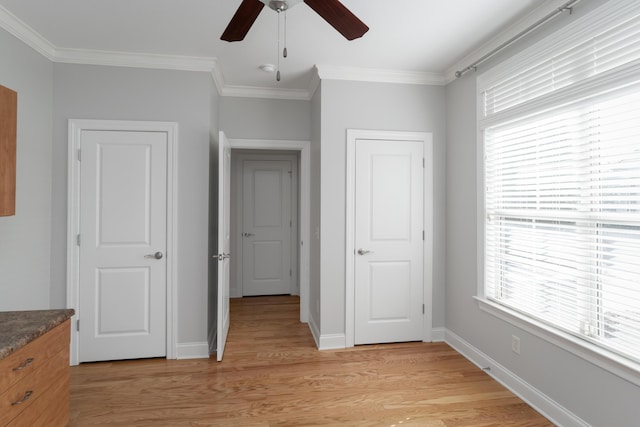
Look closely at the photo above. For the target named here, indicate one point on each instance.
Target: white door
(388, 241)
(267, 227)
(123, 235)
(224, 242)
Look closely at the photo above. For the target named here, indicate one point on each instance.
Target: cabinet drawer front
(50, 410)
(21, 395)
(26, 360)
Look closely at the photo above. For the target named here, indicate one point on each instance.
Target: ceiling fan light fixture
(279, 5)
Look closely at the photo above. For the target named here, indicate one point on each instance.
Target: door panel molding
(76, 127)
(354, 135)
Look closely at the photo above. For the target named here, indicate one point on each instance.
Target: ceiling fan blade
(242, 21)
(341, 18)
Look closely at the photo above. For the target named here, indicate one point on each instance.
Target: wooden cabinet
(8, 129)
(34, 382)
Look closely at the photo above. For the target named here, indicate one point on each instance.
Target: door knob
(248, 234)
(364, 252)
(157, 255)
(222, 256)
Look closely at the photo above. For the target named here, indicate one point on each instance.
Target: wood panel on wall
(8, 126)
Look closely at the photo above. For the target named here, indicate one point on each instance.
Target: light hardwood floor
(273, 375)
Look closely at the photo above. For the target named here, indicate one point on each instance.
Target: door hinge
(79, 155)
(290, 272)
(78, 240)
(422, 308)
(78, 325)
(290, 224)
(422, 234)
(423, 163)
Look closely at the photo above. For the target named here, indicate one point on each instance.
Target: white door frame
(374, 135)
(304, 147)
(76, 127)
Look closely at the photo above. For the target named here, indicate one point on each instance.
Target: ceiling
(405, 35)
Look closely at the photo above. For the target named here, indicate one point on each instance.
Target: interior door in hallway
(224, 244)
(122, 243)
(266, 227)
(388, 241)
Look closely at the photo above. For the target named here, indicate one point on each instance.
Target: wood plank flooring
(273, 375)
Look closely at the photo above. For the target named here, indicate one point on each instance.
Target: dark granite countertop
(19, 328)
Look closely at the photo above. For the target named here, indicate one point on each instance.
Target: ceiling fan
(332, 11)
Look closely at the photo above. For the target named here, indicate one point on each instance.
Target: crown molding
(16, 27)
(134, 60)
(503, 36)
(332, 72)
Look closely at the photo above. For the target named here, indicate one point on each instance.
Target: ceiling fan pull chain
(278, 73)
(284, 52)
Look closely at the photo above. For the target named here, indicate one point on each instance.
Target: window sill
(611, 362)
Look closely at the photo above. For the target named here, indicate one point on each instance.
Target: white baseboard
(192, 350)
(337, 341)
(332, 341)
(437, 335)
(327, 341)
(542, 403)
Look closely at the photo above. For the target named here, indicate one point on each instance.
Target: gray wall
(256, 118)
(357, 105)
(598, 397)
(98, 92)
(25, 238)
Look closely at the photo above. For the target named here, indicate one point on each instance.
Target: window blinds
(616, 46)
(562, 186)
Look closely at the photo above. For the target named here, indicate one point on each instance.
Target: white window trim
(598, 356)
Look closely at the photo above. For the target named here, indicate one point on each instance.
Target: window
(560, 127)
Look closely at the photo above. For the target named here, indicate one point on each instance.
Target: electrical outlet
(515, 344)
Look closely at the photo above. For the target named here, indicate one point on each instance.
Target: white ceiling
(405, 35)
